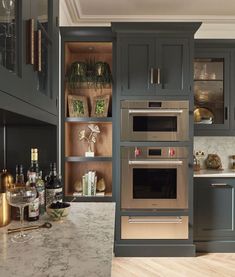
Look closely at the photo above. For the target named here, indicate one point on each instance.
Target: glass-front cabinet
(211, 91)
(8, 34)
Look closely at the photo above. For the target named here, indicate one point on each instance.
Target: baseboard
(215, 246)
(154, 250)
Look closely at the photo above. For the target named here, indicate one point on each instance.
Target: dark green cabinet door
(172, 61)
(214, 209)
(26, 84)
(154, 66)
(137, 59)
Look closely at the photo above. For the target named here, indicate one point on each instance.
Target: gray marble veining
(223, 146)
(80, 246)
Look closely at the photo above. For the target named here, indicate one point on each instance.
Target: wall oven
(154, 120)
(154, 177)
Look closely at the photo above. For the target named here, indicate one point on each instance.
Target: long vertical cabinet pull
(151, 76)
(158, 76)
(226, 113)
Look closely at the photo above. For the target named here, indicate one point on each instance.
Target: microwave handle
(132, 220)
(144, 162)
(141, 111)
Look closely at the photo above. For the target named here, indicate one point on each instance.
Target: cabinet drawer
(154, 227)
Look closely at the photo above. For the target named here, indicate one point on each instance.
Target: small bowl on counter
(58, 211)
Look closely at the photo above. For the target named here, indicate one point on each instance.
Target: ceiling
(217, 15)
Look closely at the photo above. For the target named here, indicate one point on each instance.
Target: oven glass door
(154, 184)
(151, 123)
(163, 125)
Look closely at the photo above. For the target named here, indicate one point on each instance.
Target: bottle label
(41, 196)
(54, 195)
(34, 208)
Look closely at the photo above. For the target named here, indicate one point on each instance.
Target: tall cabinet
(87, 122)
(154, 63)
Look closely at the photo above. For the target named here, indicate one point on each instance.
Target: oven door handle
(144, 162)
(176, 220)
(148, 111)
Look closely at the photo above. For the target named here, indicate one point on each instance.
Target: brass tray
(203, 115)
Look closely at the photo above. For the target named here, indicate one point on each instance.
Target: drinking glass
(21, 197)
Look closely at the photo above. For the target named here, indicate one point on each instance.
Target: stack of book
(89, 181)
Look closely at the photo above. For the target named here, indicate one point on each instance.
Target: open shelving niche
(75, 162)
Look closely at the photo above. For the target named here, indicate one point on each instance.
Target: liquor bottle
(34, 162)
(53, 186)
(33, 208)
(40, 185)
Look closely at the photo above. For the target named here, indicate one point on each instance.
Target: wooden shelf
(106, 198)
(88, 119)
(75, 162)
(88, 159)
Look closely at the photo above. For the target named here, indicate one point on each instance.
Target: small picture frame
(77, 106)
(100, 106)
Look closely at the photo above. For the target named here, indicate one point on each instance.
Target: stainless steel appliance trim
(165, 104)
(220, 185)
(168, 162)
(151, 230)
(139, 219)
(146, 111)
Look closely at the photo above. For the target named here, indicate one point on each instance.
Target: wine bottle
(33, 208)
(40, 185)
(53, 186)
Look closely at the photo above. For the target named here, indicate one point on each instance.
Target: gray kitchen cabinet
(37, 89)
(152, 66)
(213, 88)
(136, 62)
(214, 212)
(154, 60)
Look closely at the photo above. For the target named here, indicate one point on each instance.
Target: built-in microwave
(154, 120)
(154, 177)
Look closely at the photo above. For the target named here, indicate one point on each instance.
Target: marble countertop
(81, 245)
(214, 173)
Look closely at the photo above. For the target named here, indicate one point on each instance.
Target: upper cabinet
(155, 60)
(29, 59)
(214, 112)
(8, 19)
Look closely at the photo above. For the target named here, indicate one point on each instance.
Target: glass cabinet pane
(8, 34)
(209, 91)
(42, 24)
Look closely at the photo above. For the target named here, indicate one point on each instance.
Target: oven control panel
(140, 152)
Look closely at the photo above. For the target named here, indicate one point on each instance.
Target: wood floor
(204, 265)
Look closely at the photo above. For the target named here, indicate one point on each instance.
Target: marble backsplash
(223, 146)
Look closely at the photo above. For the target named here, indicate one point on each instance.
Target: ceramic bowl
(58, 211)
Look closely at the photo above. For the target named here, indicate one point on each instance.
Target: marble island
(80, 246)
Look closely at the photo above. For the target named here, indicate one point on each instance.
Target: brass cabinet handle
(158, 76)
(38, 50)
(151, 76)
